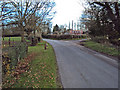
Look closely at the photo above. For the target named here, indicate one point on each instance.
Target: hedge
(11, 56)
(16, 35)
(60, 37)
(103, 39)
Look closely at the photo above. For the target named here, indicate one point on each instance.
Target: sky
(67, 10)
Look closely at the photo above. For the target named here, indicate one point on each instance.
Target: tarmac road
(80, 68)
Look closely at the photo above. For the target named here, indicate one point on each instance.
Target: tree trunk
(34, 33)
(41, 39)
(22, 35)
(40, 35)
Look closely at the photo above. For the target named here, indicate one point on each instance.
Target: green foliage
(18, 51)
(64, 37)
(14, 54)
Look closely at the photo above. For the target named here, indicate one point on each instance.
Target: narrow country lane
(80, 69)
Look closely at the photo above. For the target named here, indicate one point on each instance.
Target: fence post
(13, 42)
(9, 41)
(26, 48)
(3, 38)
(3, 43)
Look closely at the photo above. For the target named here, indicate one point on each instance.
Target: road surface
(80, 68)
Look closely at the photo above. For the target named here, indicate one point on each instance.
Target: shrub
(16, 35)
(60, 37)
(39, 39)
(5, 64)
(115, 42)
(13, 55)
(34, 41)
(104, 40)
(100, 39)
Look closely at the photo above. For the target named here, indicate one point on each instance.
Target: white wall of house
(44, 28)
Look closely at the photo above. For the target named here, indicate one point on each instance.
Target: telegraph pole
(69, 25)
(75, 25)
(72, 24)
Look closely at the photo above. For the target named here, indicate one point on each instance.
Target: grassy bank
(42, 70)
(101, 48)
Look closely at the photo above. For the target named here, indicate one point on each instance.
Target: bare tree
(103, 19)
(28, 14)
(112, 9)
(105, 16)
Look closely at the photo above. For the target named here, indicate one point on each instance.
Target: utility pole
(69, 25)
(75, 25)
(72, 24)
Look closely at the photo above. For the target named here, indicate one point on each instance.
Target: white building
(45, 29)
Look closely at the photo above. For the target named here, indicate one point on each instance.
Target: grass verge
(109, 50)
(41, 72)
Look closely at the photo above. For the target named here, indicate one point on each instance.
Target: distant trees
(103, 19)
(61, 29)
(27, 15)
(56, 28)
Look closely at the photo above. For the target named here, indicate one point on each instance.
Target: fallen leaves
(40, 73)
(22, 67)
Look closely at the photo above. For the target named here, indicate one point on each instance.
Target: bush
(60, 37)
(104, 40)
(14, 54)
(34, 41)
(115, 42)
(16, 35)
(100, 39)
(39, 39)
(5, 64)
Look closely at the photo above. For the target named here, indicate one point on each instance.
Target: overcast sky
(67, 10)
